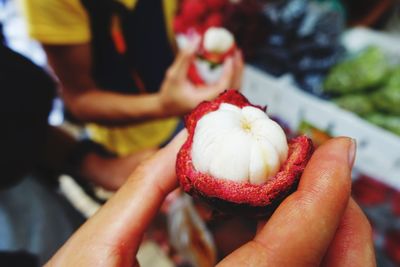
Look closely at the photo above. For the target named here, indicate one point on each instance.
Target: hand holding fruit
(179, 94)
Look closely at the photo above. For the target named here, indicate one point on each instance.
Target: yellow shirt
(65, 22)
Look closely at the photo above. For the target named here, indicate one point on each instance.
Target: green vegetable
(357, 74)
(389, 122)
(318, 136)
(387, 99)
(394, 78)
(359, 104)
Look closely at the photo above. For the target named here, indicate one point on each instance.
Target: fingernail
(352, 152)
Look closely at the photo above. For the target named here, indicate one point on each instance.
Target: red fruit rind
(213, 20)
(213, 58)
(230, 197)
(216, 5)
(194, 9)
(194, 76)
(230, 97)
(216, 58)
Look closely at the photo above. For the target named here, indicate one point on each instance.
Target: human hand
(113, 235)
(317, 225)
(179, 95)
(111, 172)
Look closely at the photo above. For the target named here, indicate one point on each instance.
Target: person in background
(35, 219)
(113, 60)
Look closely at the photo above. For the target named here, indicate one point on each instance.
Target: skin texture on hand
(318, 225)
(112, 236)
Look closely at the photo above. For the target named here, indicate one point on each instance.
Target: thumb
(185, 56)
(112, 236)
(301, 229)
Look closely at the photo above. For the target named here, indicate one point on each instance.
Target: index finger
(353, 243)
(301, 229)
(238, 66)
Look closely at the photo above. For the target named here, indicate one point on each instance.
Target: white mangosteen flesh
(239, 144)
(210, 75)
(218, 40)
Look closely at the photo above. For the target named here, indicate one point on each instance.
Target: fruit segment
(218, 40)
(239, 144)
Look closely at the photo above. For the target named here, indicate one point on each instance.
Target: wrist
(166, 106)
(79, 153)
(145, 107)
(161, 106)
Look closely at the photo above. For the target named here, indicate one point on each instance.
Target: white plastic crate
(378, 151)
(359, 38)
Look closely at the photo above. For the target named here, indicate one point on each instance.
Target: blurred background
(324, 68)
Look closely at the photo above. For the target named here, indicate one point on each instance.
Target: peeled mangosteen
(216, 45)
(237, 159)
